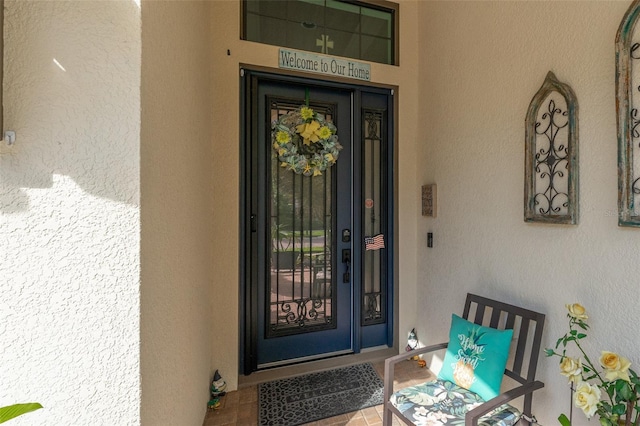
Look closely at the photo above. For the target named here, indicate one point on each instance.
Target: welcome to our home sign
(321, 64)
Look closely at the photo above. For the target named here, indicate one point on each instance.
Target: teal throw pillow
(476, 357)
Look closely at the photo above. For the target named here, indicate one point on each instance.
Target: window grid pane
(323, 26)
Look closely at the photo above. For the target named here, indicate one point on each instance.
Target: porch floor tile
(241, 407)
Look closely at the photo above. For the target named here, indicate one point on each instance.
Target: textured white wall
(483, 63)
(70, 220)
(69, 212)
(178, 299)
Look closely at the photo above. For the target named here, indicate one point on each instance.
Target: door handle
(346, 256)
(346, 259)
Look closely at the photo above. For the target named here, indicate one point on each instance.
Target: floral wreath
(305, 142)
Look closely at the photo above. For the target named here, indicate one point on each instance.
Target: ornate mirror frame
(627, 106)
(551, 155)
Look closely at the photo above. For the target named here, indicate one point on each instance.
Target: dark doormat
(316, 396)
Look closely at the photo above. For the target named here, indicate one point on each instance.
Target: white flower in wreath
(305, 142)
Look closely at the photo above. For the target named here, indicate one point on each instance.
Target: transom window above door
(353, 29)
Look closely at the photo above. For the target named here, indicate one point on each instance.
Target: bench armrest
(389, 365)
(472, 417)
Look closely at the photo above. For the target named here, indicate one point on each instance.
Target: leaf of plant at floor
(9, 412)
(564, 421)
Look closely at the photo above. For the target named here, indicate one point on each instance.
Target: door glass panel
(374, 221)
(301, 286)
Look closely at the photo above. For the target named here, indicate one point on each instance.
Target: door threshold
(303, 359)
(285, 372)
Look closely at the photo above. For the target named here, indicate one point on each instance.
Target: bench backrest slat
(527, 326)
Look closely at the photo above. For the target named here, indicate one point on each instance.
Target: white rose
(571, 368)
(577, 311)
(615, 366)
(587, 398)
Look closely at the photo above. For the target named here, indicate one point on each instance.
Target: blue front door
(306, 271)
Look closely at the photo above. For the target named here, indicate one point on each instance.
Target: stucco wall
(226, 32)
(484, 61)
(70, 193)
(178, 300)
(69, 212)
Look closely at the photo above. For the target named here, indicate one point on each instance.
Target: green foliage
(564, 421)
(13, 411)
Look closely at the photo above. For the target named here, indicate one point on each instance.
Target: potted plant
(283, 255)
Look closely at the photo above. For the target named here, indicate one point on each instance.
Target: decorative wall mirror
(627, 105)
(551, 155)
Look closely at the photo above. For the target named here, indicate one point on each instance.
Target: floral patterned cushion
(444, 403)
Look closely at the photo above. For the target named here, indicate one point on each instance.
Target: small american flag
(374, 243)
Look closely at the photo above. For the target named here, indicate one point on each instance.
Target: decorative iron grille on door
(628, 104)
(300, 288)
(551, 155)
(374, 223)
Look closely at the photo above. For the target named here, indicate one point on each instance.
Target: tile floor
(241, 407)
